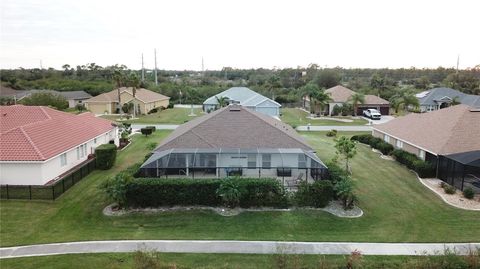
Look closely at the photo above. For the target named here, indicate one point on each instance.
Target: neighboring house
(238, 141)
(144, 101)
(38, 144)
(438, 98)
(247, 98)
(341, 95)
(449, 138)
(73, 97)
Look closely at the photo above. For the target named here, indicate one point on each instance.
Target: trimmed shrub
(450, 189)
(374, 142)
(365, 139)
(155, 110)
(146, 131)
(151, 127)
(424, 169)
(332, 133)
(105, 156)
(317, 194)
(468, 193)
(262, 192)
(336, 173)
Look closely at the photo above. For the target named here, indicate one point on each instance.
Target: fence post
(53, 192)
(63, 185)
(30, 191)
(7, 192)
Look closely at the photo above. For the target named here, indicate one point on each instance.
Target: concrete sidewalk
(242, 247)
(353, 128)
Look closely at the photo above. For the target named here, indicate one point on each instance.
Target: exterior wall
(157, 104)
(269, 108)
(74, 102)
(393, 141)
(331, 106)
(383, 109)
(100, 108)
(39, 173)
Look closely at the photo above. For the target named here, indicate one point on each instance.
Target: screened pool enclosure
(226, 162)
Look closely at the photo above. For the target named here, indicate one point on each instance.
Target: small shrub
(468, 193)
(151, 145)
(155, 110)
(336, 173)
(443, 185)
(332, 133)
(450, 189)
(105, 156)
(365, 139)
(146, 260)
(230, 193)
(146, 131)
(344, 191)
(424, 169)
(116, 188)
(170, 105)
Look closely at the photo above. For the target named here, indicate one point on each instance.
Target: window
(399, 144)
(386, 138)
(63, 159)
(252, 161)
(95, 140)
(302, 161)
(266, 160)
(84, 149)
(78, 153)
(421, 154)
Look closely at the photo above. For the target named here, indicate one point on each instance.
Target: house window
(266, 160)
(84, 149)
(78, 153)
(421, 154)
(95, 140)
(252, 161)
(302, 161)
(63, 159)
(399, 144)
(386, 138)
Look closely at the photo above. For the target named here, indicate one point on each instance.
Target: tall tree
(222, 101)
(317, 96)
(119, 80)
(356, 99)
(327, 78)
(133, 81)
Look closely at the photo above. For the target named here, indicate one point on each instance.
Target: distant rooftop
(433, 96)
(243, 95)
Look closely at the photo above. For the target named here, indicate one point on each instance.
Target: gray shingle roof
(243, 95)
(431, 96)
(234, 127)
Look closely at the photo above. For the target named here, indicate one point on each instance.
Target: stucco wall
(99, 108)
(406, 146)
(39, 173)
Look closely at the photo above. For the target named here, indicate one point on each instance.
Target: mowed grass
(167, 116)
(397, 209)
(169, 260)
(297, 117)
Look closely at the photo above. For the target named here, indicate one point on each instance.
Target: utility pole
(143, 70)
(41, 66)
(203, 68)
(156, 78)
(458, 62)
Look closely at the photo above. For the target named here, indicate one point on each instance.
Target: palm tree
(356, 99)
(317, 96)
(405, 99)
(222, 101)
(321, 98)
(119, 80)
(134, 82)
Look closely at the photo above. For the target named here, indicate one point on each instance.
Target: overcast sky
(240, 33)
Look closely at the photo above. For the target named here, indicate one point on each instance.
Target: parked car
(372, 114)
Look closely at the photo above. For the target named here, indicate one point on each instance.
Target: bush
(257, 192)
(332, 133)
(336, 173)
(105, 156)
(374, 142)
(151, 145)
(151, 127)
(155, 110)
(450, 189)
(116, 187)
(365, 139)
(317, 194)
(468, 193)
(336, 110)
(170, 105)
(424, 169)
(146, 131)
(230, 193)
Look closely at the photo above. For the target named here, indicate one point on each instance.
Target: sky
(240, 33)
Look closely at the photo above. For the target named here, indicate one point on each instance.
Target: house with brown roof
(448, 137)
(234, 140)
(144, 101)
(38, 144)
(341, 95)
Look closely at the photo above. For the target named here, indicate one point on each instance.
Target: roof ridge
(31, 142)
(260, 116)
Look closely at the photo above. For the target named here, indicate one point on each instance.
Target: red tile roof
(37, 133)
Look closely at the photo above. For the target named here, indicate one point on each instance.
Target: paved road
(353, 128)
(247, 247)
(157, 126)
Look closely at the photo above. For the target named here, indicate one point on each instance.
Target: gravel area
(335, 208)
(456, 200)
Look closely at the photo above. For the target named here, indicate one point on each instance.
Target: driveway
(242, 247)
(383, 119)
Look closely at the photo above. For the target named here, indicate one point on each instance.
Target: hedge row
(374, 142)
(317, 194)
(154, 192)
(424, 169)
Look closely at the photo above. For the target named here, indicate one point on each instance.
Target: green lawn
(397, 209)
(168, 116)
(167, 260)
(297, 117)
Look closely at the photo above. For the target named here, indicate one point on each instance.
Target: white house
(235, 141)
(245, 97)
(38, 144)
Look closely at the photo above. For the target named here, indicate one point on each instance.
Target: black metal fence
(48, 192)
